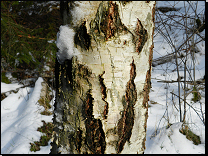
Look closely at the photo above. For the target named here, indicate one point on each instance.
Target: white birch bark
(110, 77)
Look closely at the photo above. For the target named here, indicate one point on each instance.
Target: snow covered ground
(20, 111)
(20, 118)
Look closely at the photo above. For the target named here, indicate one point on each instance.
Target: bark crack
(125, 124)
(103, 91)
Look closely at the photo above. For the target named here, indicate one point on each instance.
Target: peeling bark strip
(95, 137)
(103, 91)
(141, 37)
(125, 124)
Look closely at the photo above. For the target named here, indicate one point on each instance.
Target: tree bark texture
(102, 94)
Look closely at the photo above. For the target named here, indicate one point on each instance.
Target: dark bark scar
(141, 36)
(103, 91)
(125, 124)
(95, 137)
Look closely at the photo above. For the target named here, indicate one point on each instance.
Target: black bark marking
(88, 107)
(125, 124)
(63, 75)
(82, 38)
(95, 137)
(64, 10)
(141, 36)
(78, 139)
(103, 91)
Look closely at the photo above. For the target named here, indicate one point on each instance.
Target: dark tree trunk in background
(64, 10)
(102, 95)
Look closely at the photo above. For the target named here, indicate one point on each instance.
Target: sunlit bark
(102, 93)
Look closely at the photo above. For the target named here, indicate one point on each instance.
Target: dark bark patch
(103, 91)
(88, 107)
(63, 75)
(82, 38)
(111, 20)
(63, 79)
(102, 86)
(147, 85)
(125, 124)
(147, 89)
(95, 137)
(153, 17)
(78, 139)
(145, 128)
(141, 36)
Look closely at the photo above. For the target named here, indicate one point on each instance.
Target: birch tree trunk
(103, 83)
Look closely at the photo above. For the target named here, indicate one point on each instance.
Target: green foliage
(24, 36)
(35, 146)
(4, 78)
(47, 129)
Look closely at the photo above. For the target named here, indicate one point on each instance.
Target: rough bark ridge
(101, 97)
(125, 124)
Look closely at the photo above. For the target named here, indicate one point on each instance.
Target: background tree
(103, 72)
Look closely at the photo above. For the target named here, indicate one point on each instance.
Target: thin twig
(191, 107)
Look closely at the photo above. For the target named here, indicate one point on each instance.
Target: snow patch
(65, 43)
(20, 118)
(9, 87)
(170, 140)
